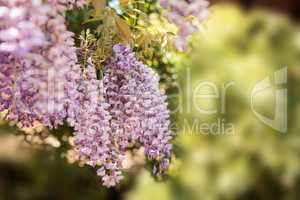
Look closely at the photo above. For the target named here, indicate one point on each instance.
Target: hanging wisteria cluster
(124, 109)
(137, 107)
(42, 80)
(179, 12)
(37, 52)
(63, 5)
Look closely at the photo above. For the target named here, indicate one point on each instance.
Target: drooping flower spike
(63, 5)
(138, 107)
(125, 110)
(37, 53)
(40, 80)
(178, 12)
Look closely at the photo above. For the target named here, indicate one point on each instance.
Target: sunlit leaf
(123, 28)
(99, 7)
(124, 2)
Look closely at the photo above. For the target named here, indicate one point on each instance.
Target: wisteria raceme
(38, 63)
(178, 12)
(20, 29)
(7, 78)
(125, 109)
(137, 107)
(87, 113)
(15, 94)
(18, 97)
(60, 57)
(63, 5)
(40, 80)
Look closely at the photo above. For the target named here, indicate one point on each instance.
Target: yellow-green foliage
(255, 161)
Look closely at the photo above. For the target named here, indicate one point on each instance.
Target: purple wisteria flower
(124, 110)
(20, 29)
(40, 80)
(34, 68)
(138, 107)
(178, 12)
(89, 116)
(63, 5)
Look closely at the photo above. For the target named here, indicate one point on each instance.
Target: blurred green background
(251, 161)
